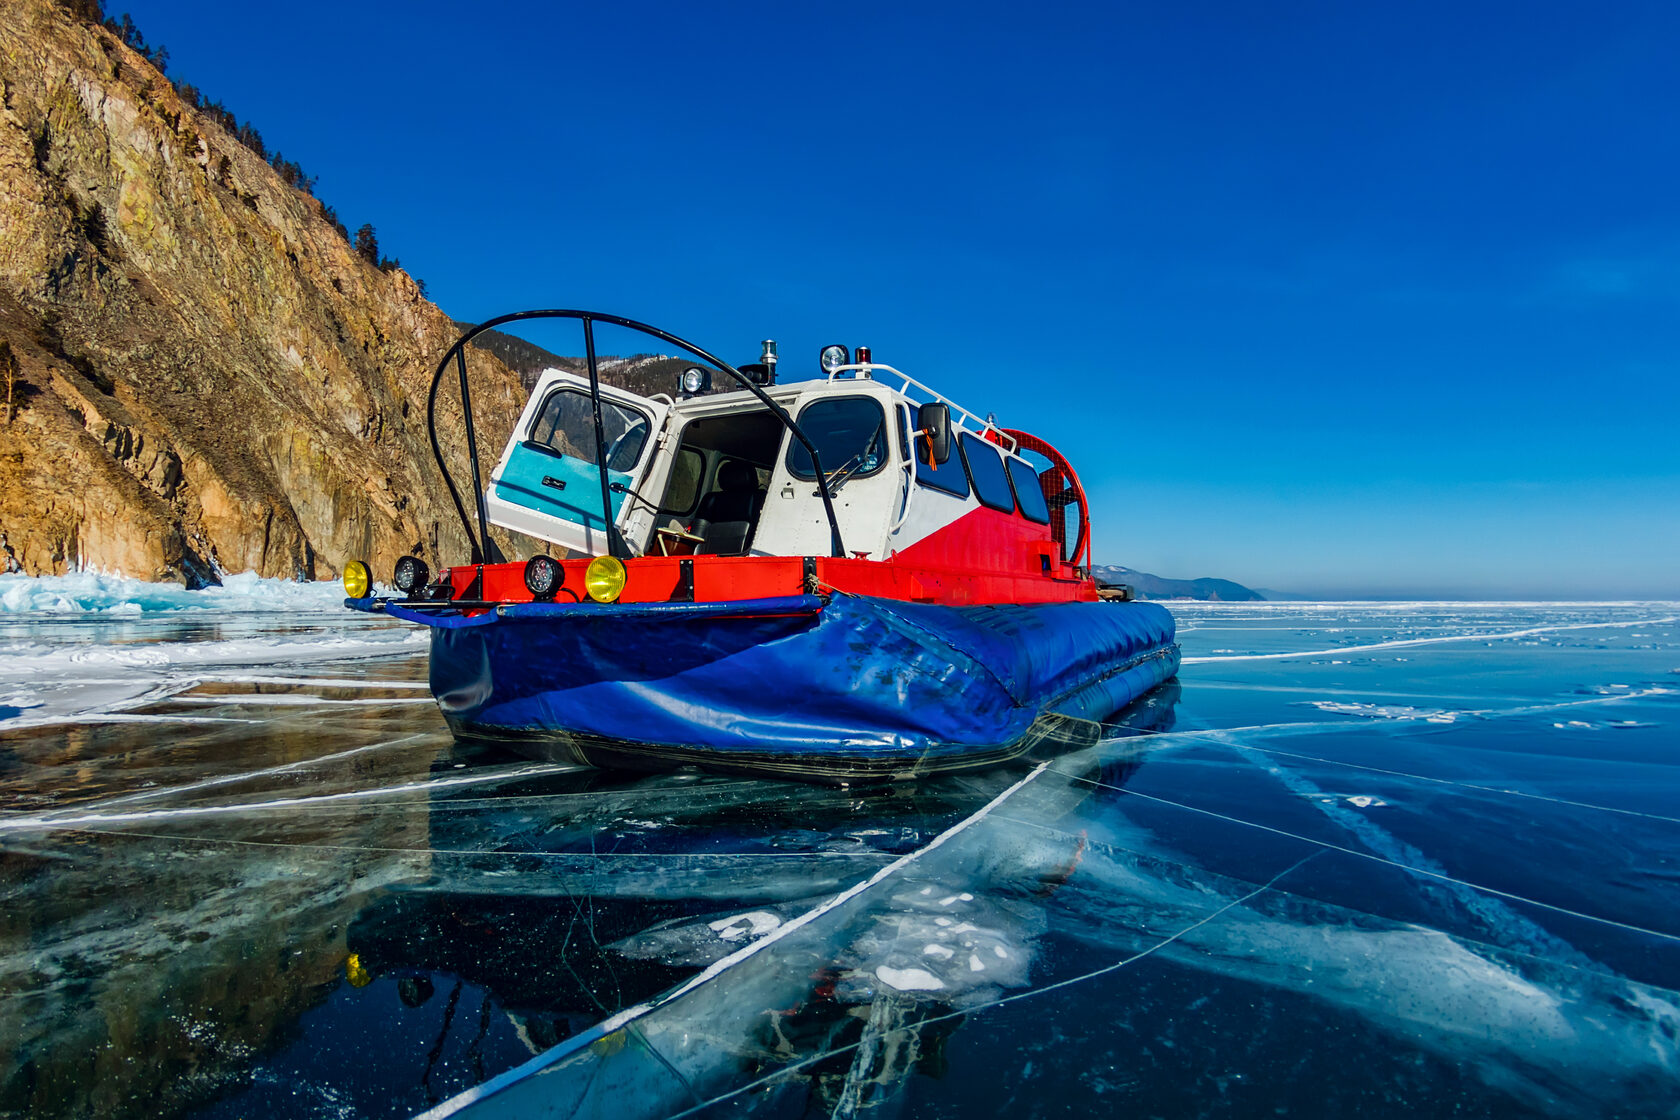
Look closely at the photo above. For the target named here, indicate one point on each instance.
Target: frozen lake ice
(1399, 859)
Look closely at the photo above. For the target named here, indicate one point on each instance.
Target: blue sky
(1341, 299)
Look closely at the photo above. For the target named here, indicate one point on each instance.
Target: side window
(850, 434)
(684, 486)
(1027, 490)
(567, 424)
(947, 476)
(991, 484)
(905, 427)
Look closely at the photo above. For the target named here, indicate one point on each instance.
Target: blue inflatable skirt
(839, 688)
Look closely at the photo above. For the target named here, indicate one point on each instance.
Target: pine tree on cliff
(367, 245)
(8, 374)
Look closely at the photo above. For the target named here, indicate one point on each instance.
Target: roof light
(833, 357)
(543, 577)
(358, 580)
(863, 355)
(410, 575)
(694, 380)
(604, 579)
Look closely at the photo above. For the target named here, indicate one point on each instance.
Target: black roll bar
(615, 541)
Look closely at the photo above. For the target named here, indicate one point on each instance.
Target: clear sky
(1331, 298)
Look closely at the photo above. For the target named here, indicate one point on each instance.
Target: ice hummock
(96, 593)
(95, 647)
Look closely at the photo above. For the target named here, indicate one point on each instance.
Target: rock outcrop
(208, 377)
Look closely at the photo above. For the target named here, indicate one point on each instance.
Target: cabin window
(566, 424)
(684, 488)
(1027, 490)
(991, 484)
(850, 434)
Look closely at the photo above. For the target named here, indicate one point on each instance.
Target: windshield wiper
(839, 478)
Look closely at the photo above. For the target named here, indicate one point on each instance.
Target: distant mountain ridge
(1147, 586)
(642, 374)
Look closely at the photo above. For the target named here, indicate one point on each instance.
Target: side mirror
(934, 422)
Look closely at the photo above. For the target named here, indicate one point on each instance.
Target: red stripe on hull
(983, 557)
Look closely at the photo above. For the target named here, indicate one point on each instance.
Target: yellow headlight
(604, 579)
(358, 581)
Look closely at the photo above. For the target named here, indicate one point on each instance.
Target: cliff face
(207, 374)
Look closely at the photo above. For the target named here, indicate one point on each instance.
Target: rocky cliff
(207, 376)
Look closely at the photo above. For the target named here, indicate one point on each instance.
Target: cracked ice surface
(1401, 859)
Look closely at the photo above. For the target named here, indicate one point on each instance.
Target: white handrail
(869, 369)
(909, 470)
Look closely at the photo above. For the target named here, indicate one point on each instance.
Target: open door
(548, 482)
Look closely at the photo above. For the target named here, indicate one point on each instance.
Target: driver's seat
(727, 515)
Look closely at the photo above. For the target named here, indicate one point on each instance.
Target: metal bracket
(684, 592)
(475, 589)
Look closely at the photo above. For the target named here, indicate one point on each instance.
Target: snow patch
(755, 923)
(909, 979)
(1386, 711)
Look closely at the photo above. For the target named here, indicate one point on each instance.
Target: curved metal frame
(1070, 485)
(615, 542)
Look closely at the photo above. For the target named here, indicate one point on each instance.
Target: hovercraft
(849, 578)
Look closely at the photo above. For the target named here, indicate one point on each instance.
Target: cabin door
(548, 482)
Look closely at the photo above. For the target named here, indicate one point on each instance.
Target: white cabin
(720, 474)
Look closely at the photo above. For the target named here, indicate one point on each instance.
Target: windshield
(850, 433)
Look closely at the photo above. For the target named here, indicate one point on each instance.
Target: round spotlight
(543, 577)
(358, 580)
(695, 380)
(604, 579)
(410, 575)
(833, 357)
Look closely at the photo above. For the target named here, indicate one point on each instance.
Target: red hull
(658, 579)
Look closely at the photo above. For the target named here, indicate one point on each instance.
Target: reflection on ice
(906, 957)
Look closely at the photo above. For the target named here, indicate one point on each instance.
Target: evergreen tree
(8, 374)
(332, 218)
(367, 245)
(88, 11)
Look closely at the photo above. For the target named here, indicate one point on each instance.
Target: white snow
(909, 979)
(1387, 711)
(755, 923)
